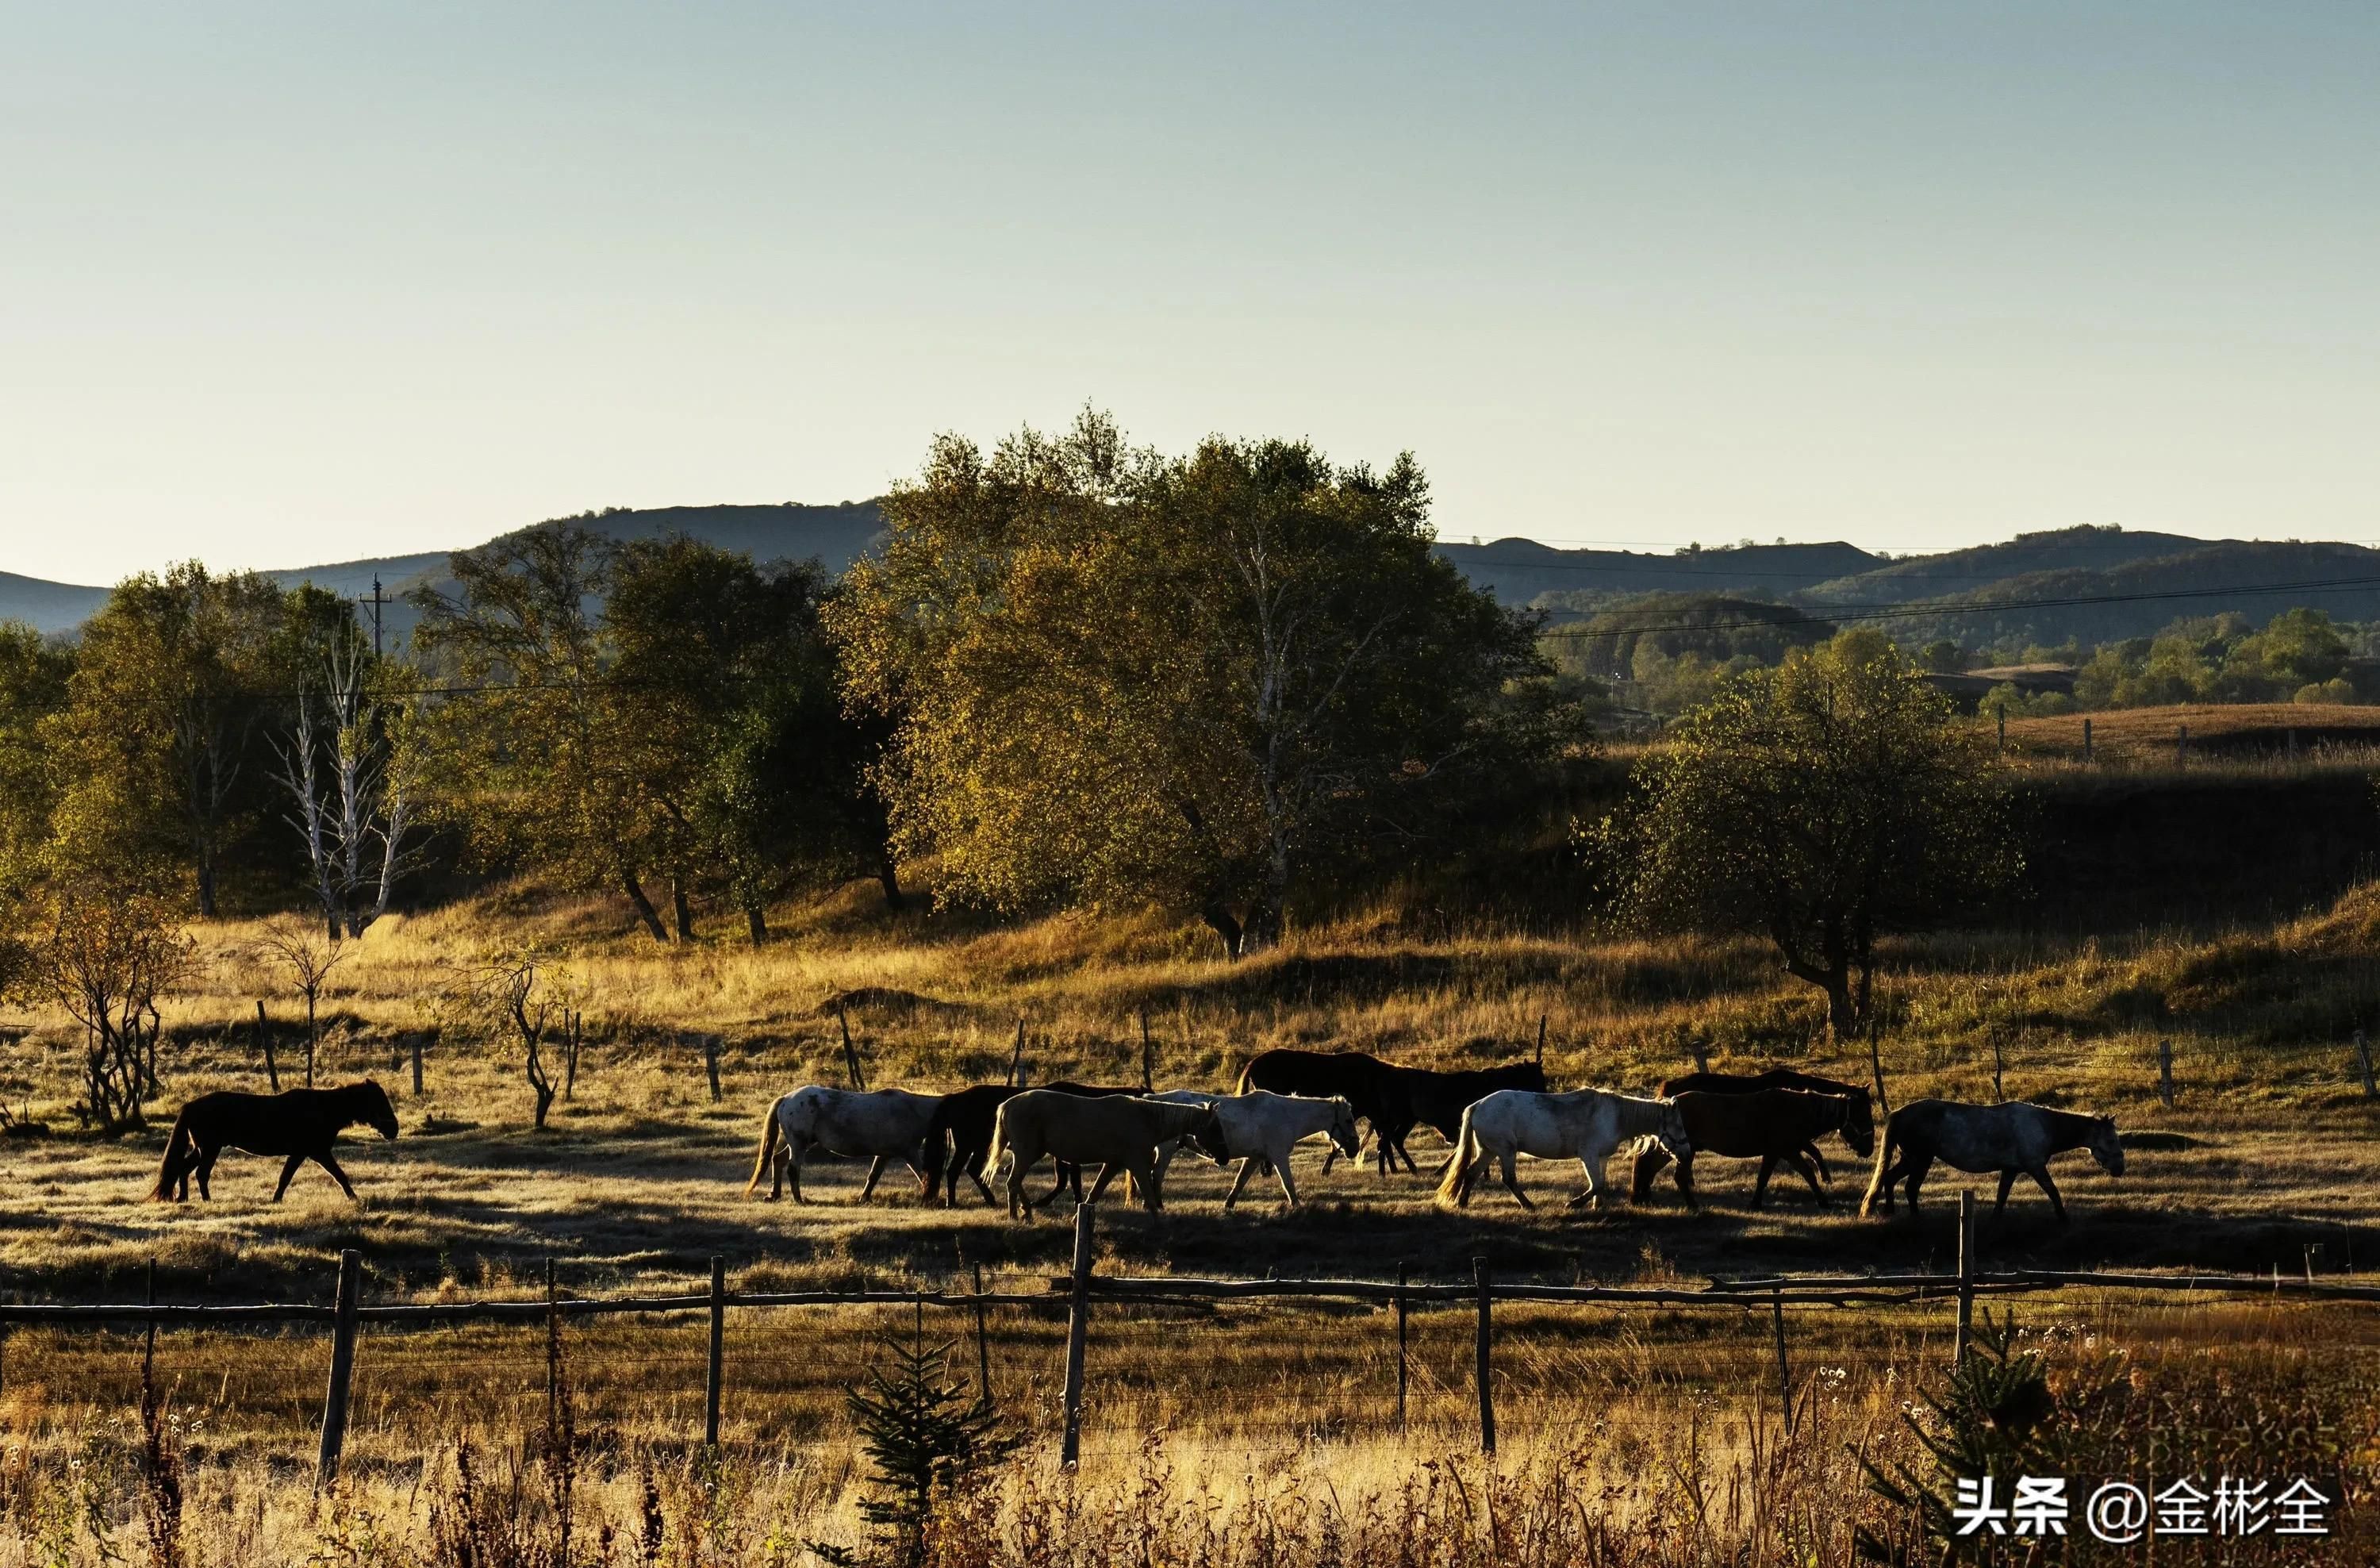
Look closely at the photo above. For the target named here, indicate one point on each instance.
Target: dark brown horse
(1772, 1125)
(1437, 1099)
(301, 1123)
(958, 1140)
(1363, 1080)
(1782, 1078)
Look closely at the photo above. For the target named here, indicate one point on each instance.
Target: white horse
(1259, 1129)
(885, 1123)
(1585, 1125)
(2011, 1139)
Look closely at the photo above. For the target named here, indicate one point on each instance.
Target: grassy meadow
(1661, 1426)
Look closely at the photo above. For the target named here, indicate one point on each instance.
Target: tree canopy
(1117, 677)
(1822, 805)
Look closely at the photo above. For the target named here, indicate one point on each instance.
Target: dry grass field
(638, 1180)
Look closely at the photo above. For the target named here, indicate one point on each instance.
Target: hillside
(1983, 568)
(1521, 571)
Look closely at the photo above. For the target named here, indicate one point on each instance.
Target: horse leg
(1760, 1187)
(1288, 1187)
(1685, 1180)
(327, 1163)
(795, 1149)
(975, 1175)
(1510, 1165)
(1065, 1171)
(2040, 1174)
(288, 1169)
(1915, 1165)
(1999, 1204)
(875, 1170)
(1800, 1161)
(1646, 1171)
(1152, 1191)
(1817, 1158)
(1108, 1173)
(1240, 1182)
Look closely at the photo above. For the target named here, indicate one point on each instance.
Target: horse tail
(1883, 1158)
(769, 1132)
(179, 1145)
(1466, 1153)
(1242, 1085)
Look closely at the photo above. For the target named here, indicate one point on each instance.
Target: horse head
(1529, 1076)
(1671, 1131)
(1859, 1123)
(368, 1104)
(1206, 1135)
(1342, 1127)
(2104, 1147)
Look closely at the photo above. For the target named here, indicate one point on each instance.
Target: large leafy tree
(537, 750)
(1823, 805)
(178, 684)
(1117, 677)
(33, 679)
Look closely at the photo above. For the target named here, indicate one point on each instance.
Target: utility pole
(375, 599)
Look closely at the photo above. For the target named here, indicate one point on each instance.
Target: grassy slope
(641, 1175)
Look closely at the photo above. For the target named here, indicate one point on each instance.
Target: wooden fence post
(416, 1035)
(982, 1346)
(1147, 1055)
(2000, 1064)
(1875, 1066)
(2181, 745)
(343, 1368)
(1402, 1373)
(850, 1052)
(1967, 1273)
(264, 1048)
(711, 1044)
(1784, 1375)
(1480, 1372)
(553, 1355)
(1016, 1057)
(149, 1347)
(2165, 1071)
(2086, 740)
(1701, 1053)
(716, 1374)
(2363, 1060)
(1078, 1314)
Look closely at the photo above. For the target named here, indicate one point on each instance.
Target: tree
(34, 675)
(541, 765)
(1118, 677)
(1821, 804)
(308, 957)
(924, 1437)
(348, 766)
(109, 957)
(522, 991)
(171, 684)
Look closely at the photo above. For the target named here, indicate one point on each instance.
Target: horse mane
(1178, 1119)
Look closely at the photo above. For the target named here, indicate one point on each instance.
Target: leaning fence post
(149, 1346)
(2363, 1060)
(264, 1048)
(1784, 1375)
(1876, 1067)
(343, 1368)
(713, 1374)
(1148, 1054)
(1967, 1273)
(1480, 1373)
(2086, 740)
(850, 1052)
(1016, 1057)
(1079, 1313)
(1401, 1345)
(982, 1346)
(553, 1355)
(2165, 1071)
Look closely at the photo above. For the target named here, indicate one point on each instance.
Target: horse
(1259, 1128)
(958, 1139)
(885, 1123)
(1780, 1077)
(1585, 1125)
(300, 1122)
(1363, 1080)
(2011, 1139)
(1117, 1133)
(1770, 1126)
(1437, 1099)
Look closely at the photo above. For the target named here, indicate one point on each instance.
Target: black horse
(958, 1140)
(1780, 1077)
(1428, 1098)
(301, 1124)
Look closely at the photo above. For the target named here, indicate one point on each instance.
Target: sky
(284, 284)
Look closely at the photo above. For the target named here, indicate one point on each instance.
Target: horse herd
(1488, 1116)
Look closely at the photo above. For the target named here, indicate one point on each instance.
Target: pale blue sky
(283, 283)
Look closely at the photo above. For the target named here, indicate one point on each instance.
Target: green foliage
(1119, 677)
(2220, 660)
(33, 681)
(1819, 805)
(926, 1442)
(1990, 1417)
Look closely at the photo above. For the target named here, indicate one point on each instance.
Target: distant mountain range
(2043, 587)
